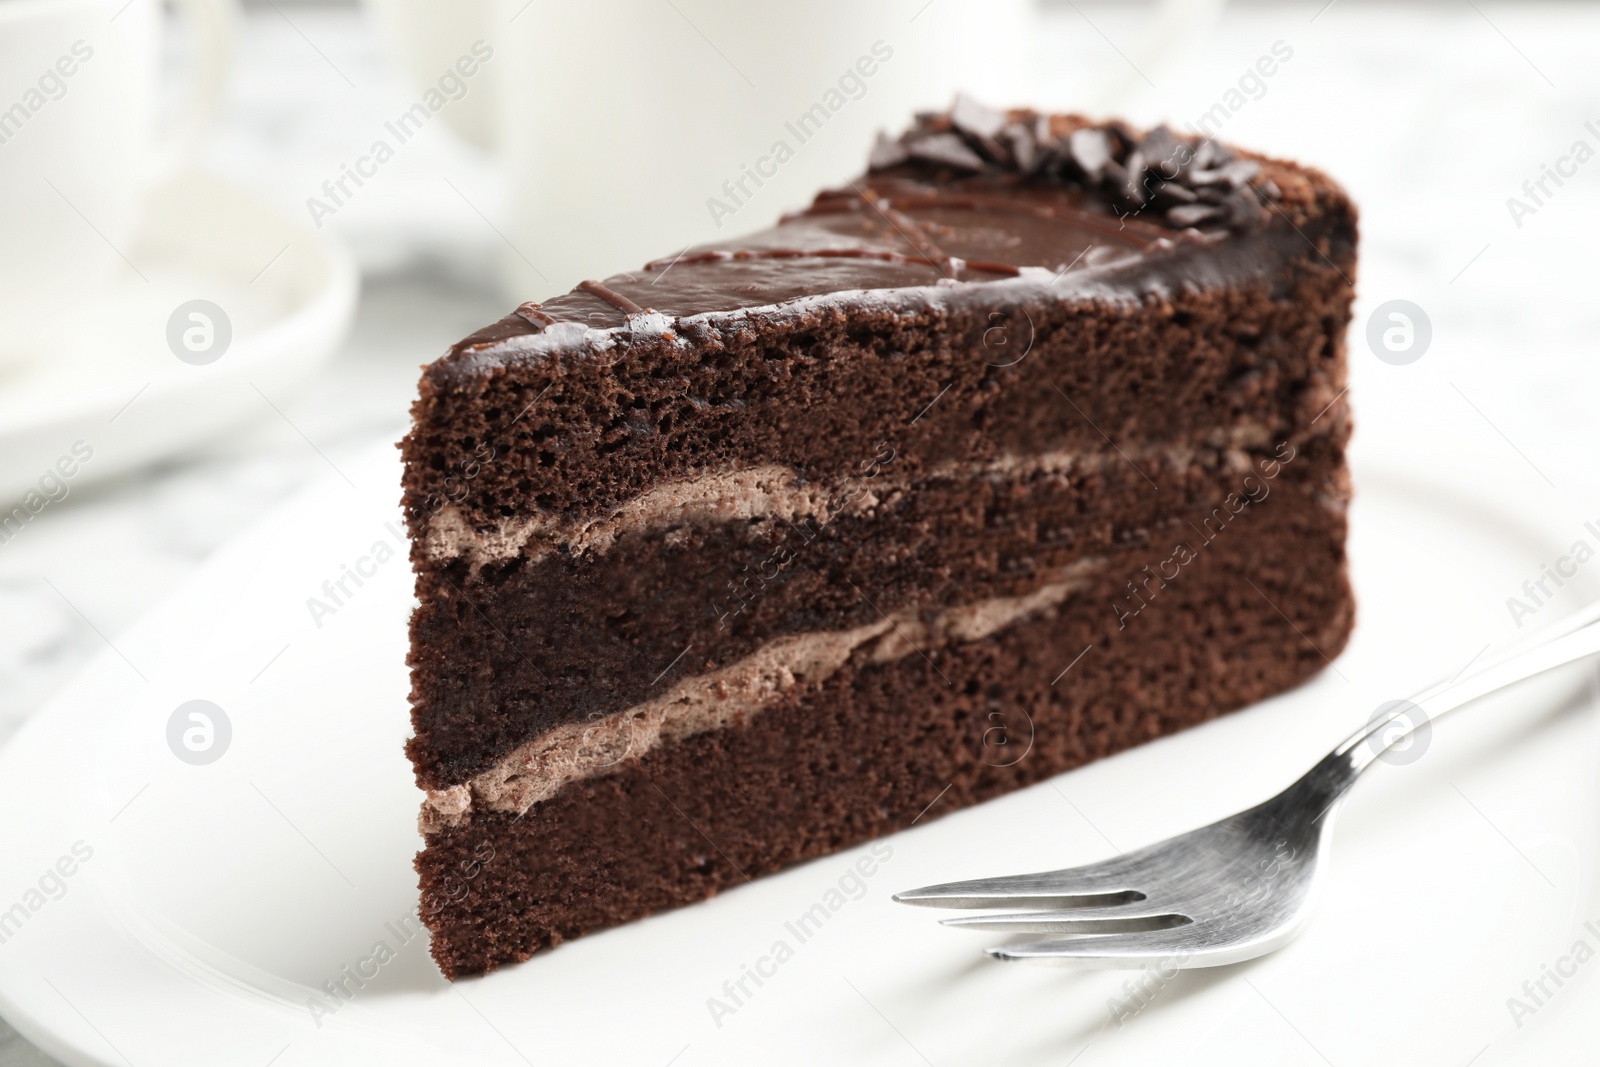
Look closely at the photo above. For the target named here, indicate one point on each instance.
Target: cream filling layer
(773, 491)
(755, 492)
(727, 697)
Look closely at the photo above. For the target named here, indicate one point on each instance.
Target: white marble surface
(1432, 115)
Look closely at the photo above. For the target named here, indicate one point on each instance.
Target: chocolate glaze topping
(965, 197)
(612, 297)
(531, 311)
(949, 264)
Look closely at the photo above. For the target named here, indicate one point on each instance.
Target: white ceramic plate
(219, 899)
(109, 378)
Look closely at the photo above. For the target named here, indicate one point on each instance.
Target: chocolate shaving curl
(1183, 182)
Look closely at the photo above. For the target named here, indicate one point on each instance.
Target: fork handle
(1563, 642)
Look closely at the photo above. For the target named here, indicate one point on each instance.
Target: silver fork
(1242, 886)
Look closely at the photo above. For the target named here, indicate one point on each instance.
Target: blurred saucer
(110, 385)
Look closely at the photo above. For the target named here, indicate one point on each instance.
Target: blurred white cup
(635, 127)
(80, 145)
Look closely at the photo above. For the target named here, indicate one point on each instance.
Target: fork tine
(1171, 947)
(1092, 885)
(1112, 920)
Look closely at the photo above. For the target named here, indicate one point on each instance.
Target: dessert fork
(1244, 885)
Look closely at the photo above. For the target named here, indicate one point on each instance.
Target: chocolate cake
(1024, 447)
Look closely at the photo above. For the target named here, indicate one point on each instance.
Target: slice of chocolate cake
(1021, 449)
